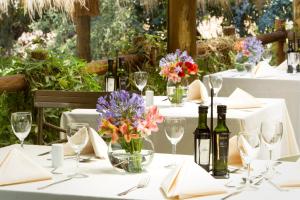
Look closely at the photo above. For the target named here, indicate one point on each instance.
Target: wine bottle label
(123, 82)
(110, 84)
(204, 151)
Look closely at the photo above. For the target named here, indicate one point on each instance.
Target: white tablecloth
(237, 120)
(104, 183)
(286, 86)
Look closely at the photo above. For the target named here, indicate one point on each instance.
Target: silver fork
(141, 184)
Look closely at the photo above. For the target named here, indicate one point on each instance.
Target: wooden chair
(61, 99)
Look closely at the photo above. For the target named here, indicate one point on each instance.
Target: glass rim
(141, 72)
(23, 112)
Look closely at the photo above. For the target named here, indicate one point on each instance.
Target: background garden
(44, 48)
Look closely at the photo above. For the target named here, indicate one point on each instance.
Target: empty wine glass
(174, 130)
(293, 59)
(215, 82)
(77, 136)
(271, 134)
(267, 54)
(140, 80)
(21, 125)
(248, 145)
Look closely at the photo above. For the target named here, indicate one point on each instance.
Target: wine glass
(248, 145)
(293, 59)
(215, 82)
(77, 136)
(174, 130)
(140, 80)
(267, 54)
(271, 134)
(21, 125)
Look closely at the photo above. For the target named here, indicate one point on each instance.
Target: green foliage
(55, 72)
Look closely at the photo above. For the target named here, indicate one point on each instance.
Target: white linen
(237, 120)
(95, 144)
(184, 182)
(263, 69)
(284, 86)
(105, 183)
(197, 92)
(16, 168)
(289, 175)
(240, 99)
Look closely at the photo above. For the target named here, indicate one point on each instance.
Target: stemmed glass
(248, 145)
(77, 136)
(21, 125)
(293, 59)
(215, 82)
(140, 80)
(267, 54)
(174, 130)
(271, 134)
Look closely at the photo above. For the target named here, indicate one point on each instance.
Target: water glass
(293, 59)
(215, 82)
(21, 125)
(140, 80)
(249, 146)
(77, 136)
(271, 134)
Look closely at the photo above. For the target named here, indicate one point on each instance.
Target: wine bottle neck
(202, 123)
(221, 119)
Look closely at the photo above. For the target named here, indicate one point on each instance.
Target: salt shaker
(57, 155)
(149, 97)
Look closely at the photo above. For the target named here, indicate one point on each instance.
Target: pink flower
(150, 123)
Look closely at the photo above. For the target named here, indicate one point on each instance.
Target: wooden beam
(296, 11)
(182, 25)
(13, 83)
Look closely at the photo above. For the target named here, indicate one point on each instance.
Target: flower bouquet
(176, 68)
(123, 117)
(249, 52)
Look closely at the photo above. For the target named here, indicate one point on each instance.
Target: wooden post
(296, 11)
(182, 25)
(83, 30)
(13, 83)
(82, 17)
(279, 46)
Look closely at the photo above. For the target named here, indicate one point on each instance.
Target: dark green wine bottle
(122, 75)
(110, 80)
(202, 140)
(220, 144)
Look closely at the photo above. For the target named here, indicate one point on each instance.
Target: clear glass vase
(177, 92)
(132, 157)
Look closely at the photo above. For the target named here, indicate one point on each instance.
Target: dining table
(270, 85)
(104, 182)
(237, 120)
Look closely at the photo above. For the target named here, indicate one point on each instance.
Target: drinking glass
(140, 80)
(271, 134)
(21, 125)
(267, 54)
(215, 82)
(77, 136)
(293, 59)
(248, 145)
(174, 130)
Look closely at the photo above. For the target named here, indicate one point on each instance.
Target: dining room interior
(149, 99)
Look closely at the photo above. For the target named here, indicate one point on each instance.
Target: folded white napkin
(289, 175)
(190, 180)
(263, 69)
(197, 92)
(95, 144)
(17, 167)
(234, 157)
(240, 99)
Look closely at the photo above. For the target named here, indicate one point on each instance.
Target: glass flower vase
(177, 92)
(131, 157)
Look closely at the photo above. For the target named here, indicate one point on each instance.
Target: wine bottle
(202, 140)
(220, 144)
(122, 75)
(110, 80)
(290, 50)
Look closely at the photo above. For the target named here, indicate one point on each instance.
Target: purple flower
(120, 105)
(255, 49)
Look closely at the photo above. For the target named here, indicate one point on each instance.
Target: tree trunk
(83, 37)
(182, 25)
